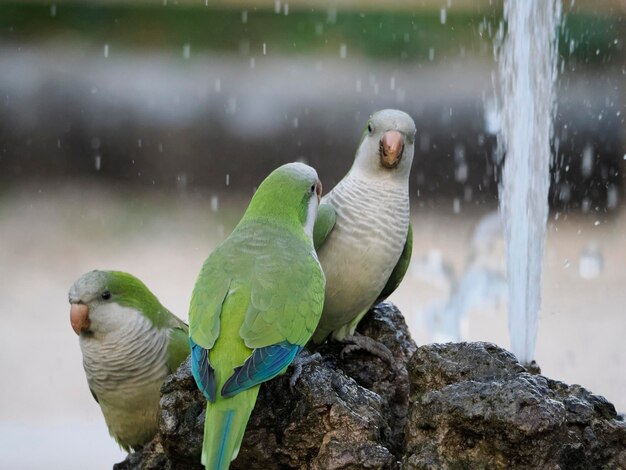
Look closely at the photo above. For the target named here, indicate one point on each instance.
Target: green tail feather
(224, 427)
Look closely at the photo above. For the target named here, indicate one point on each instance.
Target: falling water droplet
(227, 179)
(97, 162)
(218, 85)
(460, 173)
(343, 51)
(277, 6)
(612, 197)
(456, 205)
(215, 203)
(244, 16)
(53, 10)
(586, 164)
(431, 54)
(186, 51)
(591, 262)
(442, 16)
(106, 51)
(585, 205)
(332, 15)
(264, 49)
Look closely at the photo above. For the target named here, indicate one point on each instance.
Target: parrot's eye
(312, 188)
(106, 295)
(369, 127)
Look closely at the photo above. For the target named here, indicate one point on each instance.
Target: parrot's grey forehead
(299, 171)
(394, 119)
(88, 285)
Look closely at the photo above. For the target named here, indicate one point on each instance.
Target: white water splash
(527, 67)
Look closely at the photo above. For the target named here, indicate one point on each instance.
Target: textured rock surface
(471, 405)
(342, 413)
(474, 406)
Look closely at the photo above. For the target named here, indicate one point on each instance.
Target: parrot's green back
(256, 303)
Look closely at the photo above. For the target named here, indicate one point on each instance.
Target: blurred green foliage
(396, 35)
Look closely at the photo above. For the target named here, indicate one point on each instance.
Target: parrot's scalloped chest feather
(364, 246)
(125, 371)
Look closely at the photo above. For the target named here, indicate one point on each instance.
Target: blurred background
(132, 135)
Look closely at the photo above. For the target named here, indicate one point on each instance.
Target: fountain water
(528, 70)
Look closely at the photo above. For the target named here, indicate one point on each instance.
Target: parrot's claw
(376, 348)
(298, 363)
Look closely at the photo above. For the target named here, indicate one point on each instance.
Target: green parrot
(130, 343)
(256, 303)
(362, 234)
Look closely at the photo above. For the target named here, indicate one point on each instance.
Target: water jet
(527, 65)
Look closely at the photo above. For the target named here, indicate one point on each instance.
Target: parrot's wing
(207, 300)
(400, 269)
(178, 346)
(204, 319)
(326, 218)
(202, 371)
(286, 301)
(262, 365)
(286, 295)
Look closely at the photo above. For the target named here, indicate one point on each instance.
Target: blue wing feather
(264, 364)
(202, 370)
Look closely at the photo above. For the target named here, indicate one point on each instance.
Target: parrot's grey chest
(133, 355)
(365, 244)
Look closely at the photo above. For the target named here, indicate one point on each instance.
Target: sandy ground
(51, 234)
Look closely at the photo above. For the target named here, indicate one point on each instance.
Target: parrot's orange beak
(79, 317)
(318, 190)
(391, 148)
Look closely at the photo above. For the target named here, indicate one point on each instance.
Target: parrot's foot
(298, 363)
(376, 348)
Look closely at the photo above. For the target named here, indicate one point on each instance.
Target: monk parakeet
(130, 343)
(256, 303)
(362, 233)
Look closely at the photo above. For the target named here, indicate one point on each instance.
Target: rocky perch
(465, 405)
